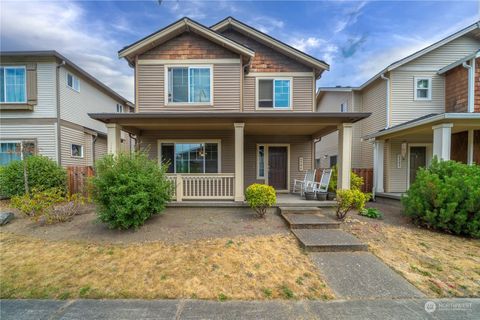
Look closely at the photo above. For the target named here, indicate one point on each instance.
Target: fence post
(179, 187)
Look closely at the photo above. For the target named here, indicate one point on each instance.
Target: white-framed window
(13, 84)
(191, 157)
(274, 93)
(343, 107)
(12, 150)
(77, 150)
(423, 88)
(73, 82)
(189, 84)
(260, 161)
(119, 108)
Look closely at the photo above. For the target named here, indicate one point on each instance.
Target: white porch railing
(209, 186)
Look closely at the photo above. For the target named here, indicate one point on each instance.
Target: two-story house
(227, 106)
(44, 104)
(422, 106)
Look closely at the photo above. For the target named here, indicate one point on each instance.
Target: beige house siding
(302, 94)
(444, 55)
(374, 101)
(151, 89)
(100, 148)
(404, 107)
(72, 136)
(75, 106)
(44, 135)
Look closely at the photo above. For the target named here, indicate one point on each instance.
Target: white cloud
(350, 17)
(64, 27)
(266, 24)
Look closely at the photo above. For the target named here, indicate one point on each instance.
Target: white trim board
(188, 61)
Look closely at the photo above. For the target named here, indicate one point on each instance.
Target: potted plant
(310, 195)
(322, 196)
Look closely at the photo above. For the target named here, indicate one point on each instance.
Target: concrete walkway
(197, 309)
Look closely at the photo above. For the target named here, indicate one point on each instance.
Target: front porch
(212, 157)
(401, 150)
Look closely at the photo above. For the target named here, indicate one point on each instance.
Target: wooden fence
(77, 177)
(365, 173)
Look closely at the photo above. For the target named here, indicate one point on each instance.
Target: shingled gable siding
(151, 77)
(269, 60)
(456, 90)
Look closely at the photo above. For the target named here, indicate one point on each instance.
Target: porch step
(310, 221)
(328, 240)
(304, 210)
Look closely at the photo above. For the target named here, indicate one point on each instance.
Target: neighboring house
(225, 107)
(425, 105)
(44, 104)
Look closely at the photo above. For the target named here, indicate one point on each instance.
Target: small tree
(356, 182)
(129, 188)
(260, 197)
(348, 200)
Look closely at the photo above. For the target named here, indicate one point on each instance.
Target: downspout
(93, 148)
(387, 99)
(59, 135)
(471, 84)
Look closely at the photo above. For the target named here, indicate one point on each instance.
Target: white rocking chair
(322, 186)
(306, 183)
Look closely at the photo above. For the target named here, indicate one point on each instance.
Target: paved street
(197, 309)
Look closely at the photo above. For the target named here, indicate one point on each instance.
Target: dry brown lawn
(438, 264)
(264, 267)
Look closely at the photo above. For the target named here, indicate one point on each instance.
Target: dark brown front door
(277, 167)
(418, 158)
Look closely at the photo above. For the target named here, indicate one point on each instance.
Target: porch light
(404, 150)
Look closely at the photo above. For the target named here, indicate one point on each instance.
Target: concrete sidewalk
(198, 309)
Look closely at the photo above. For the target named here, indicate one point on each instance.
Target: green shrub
(373, 213)
(446, 196)
(42, 174)
(49, 206)
(348, 200)
(260, 197)
(356, 182)
(128, 189)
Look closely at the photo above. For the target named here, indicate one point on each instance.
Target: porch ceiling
(316, 124)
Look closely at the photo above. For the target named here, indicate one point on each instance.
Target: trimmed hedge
(43, 174)
(128, 189)
(260, 197)
(446, 197)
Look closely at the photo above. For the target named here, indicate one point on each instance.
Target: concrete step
(305, 210)
(309, 221)
(328, 240)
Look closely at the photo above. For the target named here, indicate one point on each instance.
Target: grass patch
(204, 269)
(440, 265)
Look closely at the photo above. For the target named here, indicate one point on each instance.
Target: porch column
(442, 135)
(239, 161)
(113, 138)
(470, 147)
(378, 153)
(344, 167)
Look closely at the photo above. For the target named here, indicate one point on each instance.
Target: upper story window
(423, 88)
(274, 93)
(343, 107)
(13, 84)
(119, 108)
(189, 84)
(73, 82)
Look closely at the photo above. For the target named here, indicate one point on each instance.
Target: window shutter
(32, 84)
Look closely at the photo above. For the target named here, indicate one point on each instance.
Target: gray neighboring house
(44, 104)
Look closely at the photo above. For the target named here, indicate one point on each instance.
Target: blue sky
(357, 38)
